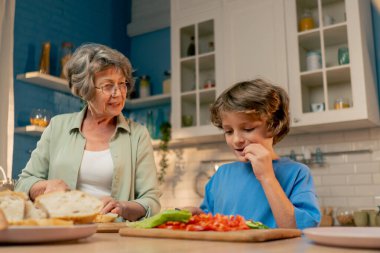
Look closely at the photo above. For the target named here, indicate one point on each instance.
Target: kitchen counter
(114, 243)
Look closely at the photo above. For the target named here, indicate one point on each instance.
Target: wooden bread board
(110, 227)
(253, 235)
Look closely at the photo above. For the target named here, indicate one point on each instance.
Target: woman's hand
(111, 205)
(129, 210)
(46, 186)
(261, 160)
(55, 185)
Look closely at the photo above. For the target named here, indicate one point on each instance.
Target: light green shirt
(59, 153)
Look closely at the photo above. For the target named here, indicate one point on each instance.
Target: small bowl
(40, 117)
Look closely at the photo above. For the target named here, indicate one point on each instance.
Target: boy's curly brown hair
(258, 98)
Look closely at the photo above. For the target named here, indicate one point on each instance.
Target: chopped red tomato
(207, 222)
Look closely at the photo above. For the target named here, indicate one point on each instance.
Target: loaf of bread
(76, 206)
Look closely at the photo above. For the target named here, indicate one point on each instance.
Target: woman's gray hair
(89, 59)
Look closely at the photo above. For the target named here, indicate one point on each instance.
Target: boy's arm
(282, 208)
(260, 156)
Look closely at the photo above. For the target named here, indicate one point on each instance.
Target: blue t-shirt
(234, 189)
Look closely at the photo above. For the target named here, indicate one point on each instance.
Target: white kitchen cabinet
(329, 94)
(180, 9)
(197, 42)
(248, 42)
(255, 41)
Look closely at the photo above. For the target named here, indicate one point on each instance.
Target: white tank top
(95, 173)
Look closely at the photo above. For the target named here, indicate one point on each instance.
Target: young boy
(279, 192)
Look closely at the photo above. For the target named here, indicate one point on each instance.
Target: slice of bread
(103, 218)
(3, 220)
(32, 212)
(13, 205)
(70, 205)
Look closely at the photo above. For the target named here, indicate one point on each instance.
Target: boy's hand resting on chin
(261, 159)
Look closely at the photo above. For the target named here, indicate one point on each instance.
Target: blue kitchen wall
(58, 21)
(150, 55)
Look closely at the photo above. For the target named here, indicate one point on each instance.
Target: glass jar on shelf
(341, 103)
(6, 184)
(313, 60)
(40, 117)
(209, 83)
(343, 56)
(345, 216)
(306, 21)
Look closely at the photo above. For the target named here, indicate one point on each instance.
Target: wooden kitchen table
(114, 243)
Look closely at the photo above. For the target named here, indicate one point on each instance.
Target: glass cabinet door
(323, 56)
(197, 73)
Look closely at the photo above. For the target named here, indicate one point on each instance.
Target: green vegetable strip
(161, 218)
(256, 225)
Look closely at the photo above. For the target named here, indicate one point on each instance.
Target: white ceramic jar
(313, 60)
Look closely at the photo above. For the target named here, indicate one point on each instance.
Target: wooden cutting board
(110, 227)
(253, 235)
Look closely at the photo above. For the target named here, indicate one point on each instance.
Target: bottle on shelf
(45, 58)
(211, 46)
(144, 86)
(166, 83)
(67, 51)
(191, 47)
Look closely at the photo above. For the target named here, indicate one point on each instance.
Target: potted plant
(165, 130)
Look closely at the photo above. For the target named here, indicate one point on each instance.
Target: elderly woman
(97, 150)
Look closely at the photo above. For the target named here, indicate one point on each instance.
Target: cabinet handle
(296, 120)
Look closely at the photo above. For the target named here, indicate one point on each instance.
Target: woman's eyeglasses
(110, 89)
